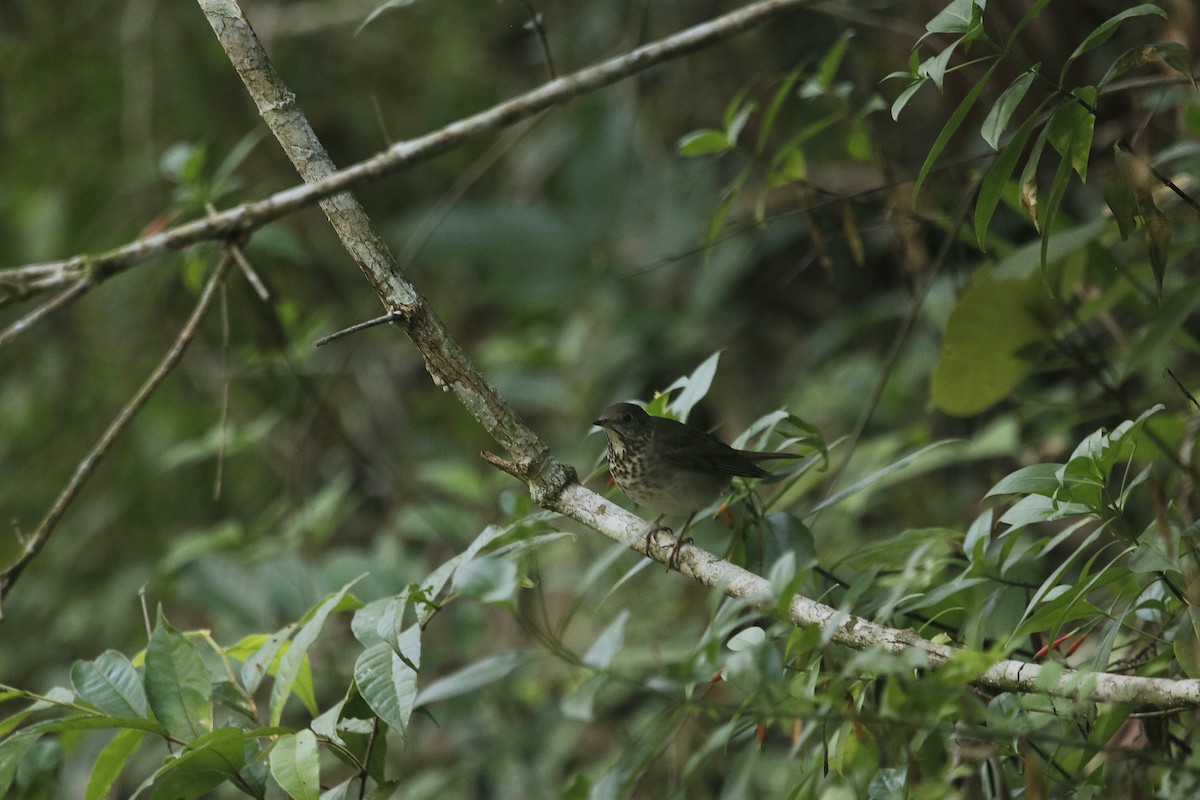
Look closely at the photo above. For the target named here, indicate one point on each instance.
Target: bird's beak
(599, 423)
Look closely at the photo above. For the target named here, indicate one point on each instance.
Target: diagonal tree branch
(117, 427)
(20, 282)
(553, 485)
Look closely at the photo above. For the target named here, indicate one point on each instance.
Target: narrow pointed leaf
(1102, 32)
(998, 118)
(956, 119)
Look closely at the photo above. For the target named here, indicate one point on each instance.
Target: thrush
(671, 468)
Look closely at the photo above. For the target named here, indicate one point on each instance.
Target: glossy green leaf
(295, 765)
(1035, 479)
(110, 763)
(387, 682)
(178, 684)
(111, 684)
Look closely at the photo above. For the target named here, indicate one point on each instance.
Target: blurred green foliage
(753, 199)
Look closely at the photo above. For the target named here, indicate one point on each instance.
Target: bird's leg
(673, 561)
(654, 528)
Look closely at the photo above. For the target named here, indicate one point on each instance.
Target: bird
(672, 468)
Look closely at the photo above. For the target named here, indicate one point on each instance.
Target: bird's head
(624, 424)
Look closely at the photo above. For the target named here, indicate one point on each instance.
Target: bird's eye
(627, 417)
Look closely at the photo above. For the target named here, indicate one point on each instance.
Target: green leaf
(111, 762)
(1028, 182)
(12, 750)
(1186, 645)
(747, 639)
(1120, 196)
(828, 67)
(934, 68)
(704, 142)
(1167, 323)
(470, 678)
(693, 387)
(1004, 107)
(997, 177)
(733, 129)
(957, 17)
(1105, 30)
(387, 682)
(488, 579)
(993, 341)
(263, 660)
(178, 685)
(295, 765)
(111, 684)
(207, 762)
(1034, 11)
(773, 108)
(1071, 129)
(902, 100)
(296, 657)
(956, 119)
(1157, 232)
(610, 641)
(1035, 479)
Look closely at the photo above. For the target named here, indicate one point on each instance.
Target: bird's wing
(709, 454)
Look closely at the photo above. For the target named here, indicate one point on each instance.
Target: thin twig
(117, 427)
(223, 422)
(55, 303)
(393, 316)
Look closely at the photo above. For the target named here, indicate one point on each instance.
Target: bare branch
(117, 427)
(602, 515)
(18, 282)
